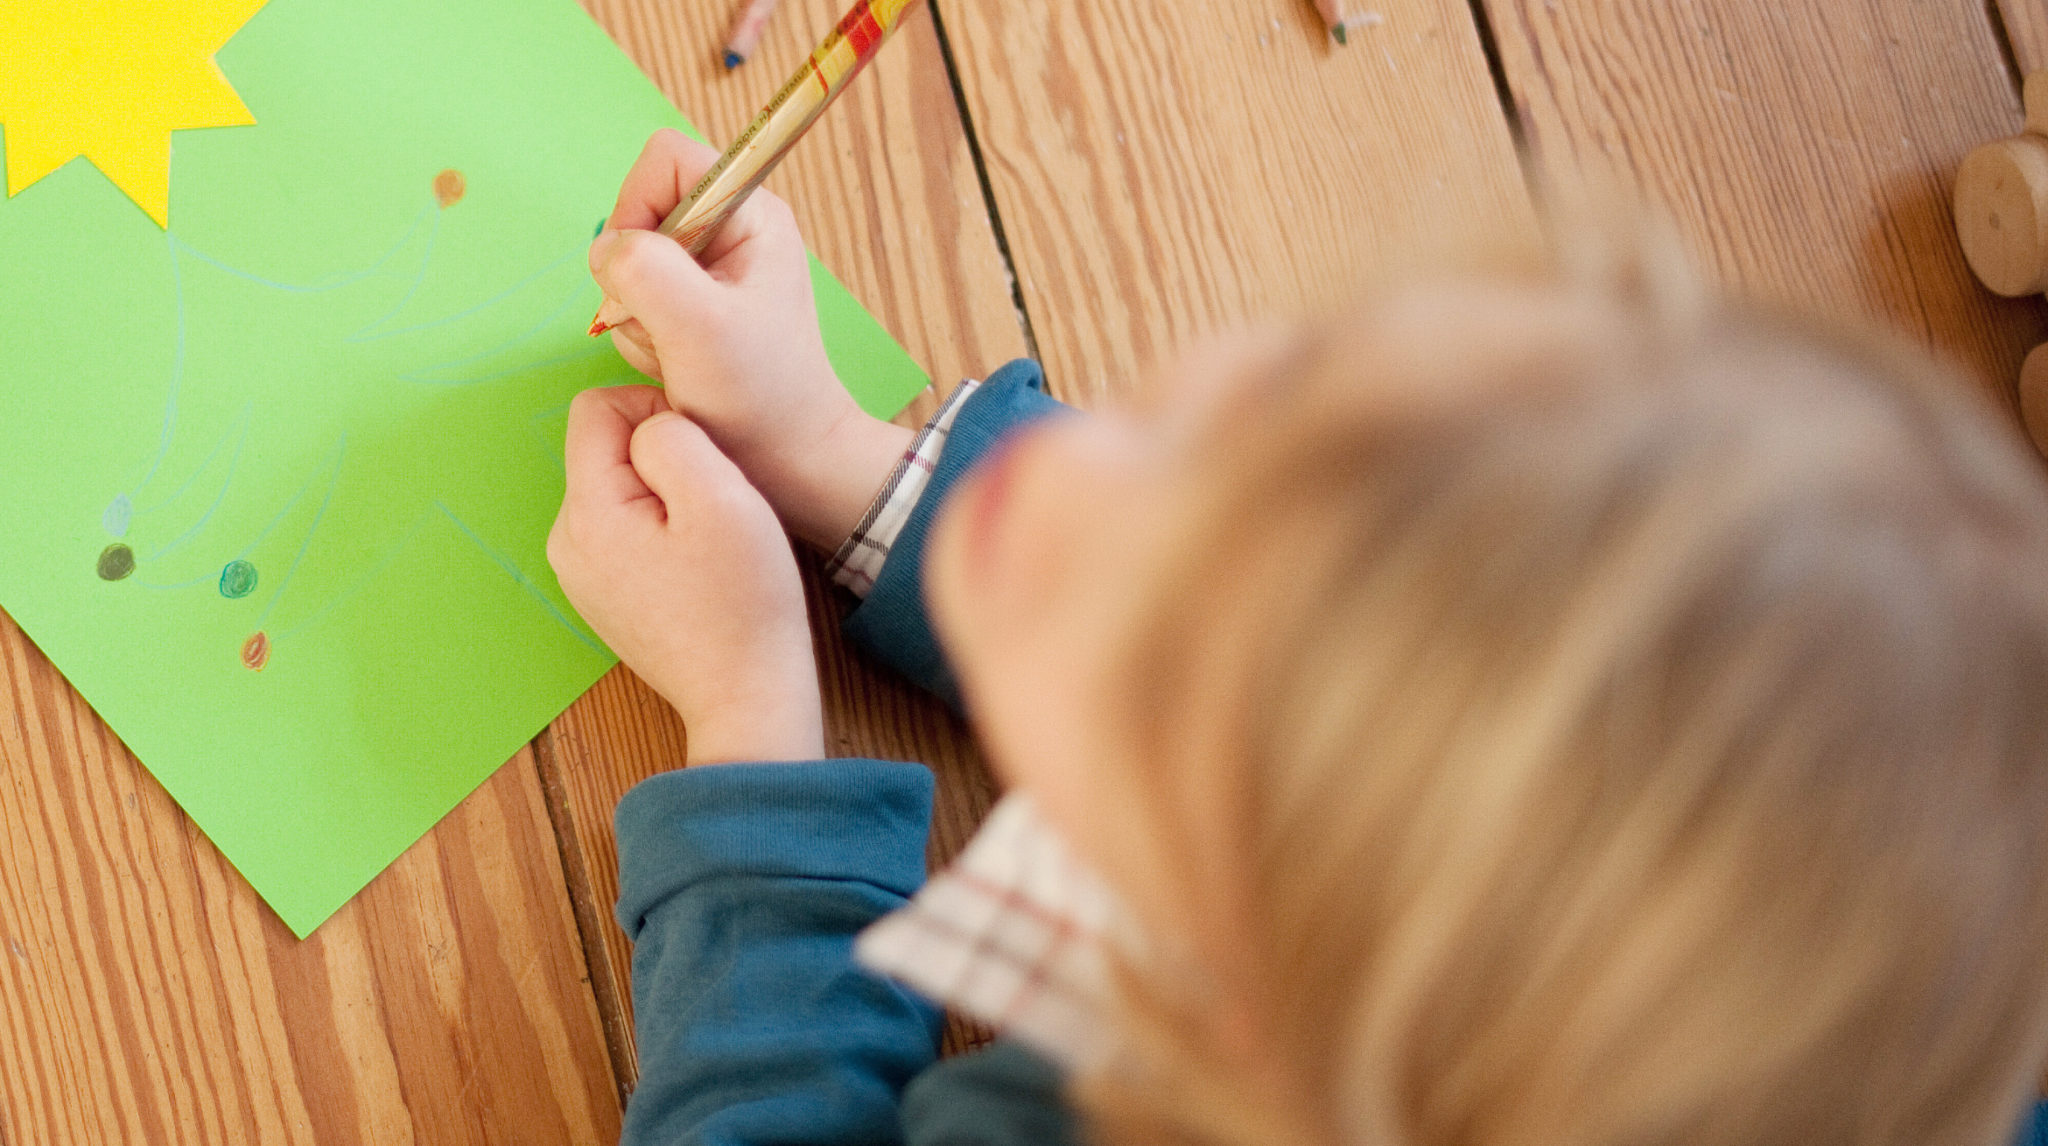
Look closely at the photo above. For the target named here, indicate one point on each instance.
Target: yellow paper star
(110, 80)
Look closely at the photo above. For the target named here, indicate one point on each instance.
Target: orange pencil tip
(598, 326)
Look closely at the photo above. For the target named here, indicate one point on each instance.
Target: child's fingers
(597, 454)
(679, 462)
(633, 344)
(656, 281)
(668, 169)
(763, 228)
(631, 341)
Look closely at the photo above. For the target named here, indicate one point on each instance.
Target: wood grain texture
(885, 190)
(2026, 29)
(1164, 170)
(1158, 173)
(147, 994)
(1805, 149)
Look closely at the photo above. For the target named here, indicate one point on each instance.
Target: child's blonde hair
(1634, 712)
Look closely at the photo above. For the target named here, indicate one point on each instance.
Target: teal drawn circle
(237, 579)
(118, 512)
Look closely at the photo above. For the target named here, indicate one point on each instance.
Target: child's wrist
(786, 726)
(834, 482)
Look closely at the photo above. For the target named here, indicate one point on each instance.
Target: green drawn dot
(237, 579)
(116, 562)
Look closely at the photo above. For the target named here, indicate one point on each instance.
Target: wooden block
(2026, 29)
(2034, 96)
(2034, 412)
(2001, 208)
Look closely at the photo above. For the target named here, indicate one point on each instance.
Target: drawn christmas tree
(166, 531)
(176, 505)
(292, 305)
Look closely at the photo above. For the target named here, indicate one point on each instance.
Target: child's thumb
(680, 463)
(652, 276)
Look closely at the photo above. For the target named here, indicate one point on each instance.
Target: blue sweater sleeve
(1001, 1096)
(742, 887)
(891, 624)
(2033, 1129)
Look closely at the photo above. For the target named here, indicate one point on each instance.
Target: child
(1538, 709)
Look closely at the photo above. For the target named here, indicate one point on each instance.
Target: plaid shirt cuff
(859, 560)
(1016, 933)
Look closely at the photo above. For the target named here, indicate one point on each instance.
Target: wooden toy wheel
(2001, 206)
(2034, 396)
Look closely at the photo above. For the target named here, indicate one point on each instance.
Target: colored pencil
(806, 95)
(745, 34)
(1333, 16)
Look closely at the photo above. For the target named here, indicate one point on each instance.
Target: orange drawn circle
(448, 187)
(256, 652)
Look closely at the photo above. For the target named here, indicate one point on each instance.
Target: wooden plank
(2026, 29)
(1161, 173)
(1805, 149)
(886, 192)
(147, 995)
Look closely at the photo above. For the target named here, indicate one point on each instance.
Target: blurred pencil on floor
(1333, 15)
(745, 34)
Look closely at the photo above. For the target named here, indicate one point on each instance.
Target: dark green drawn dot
(237, 579)
(116, 562)
(600, 229)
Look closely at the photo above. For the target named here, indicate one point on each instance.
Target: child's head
(1540, 709)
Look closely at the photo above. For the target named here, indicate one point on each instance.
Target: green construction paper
(322, 381)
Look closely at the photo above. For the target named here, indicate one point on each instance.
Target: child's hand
(735, 341)
(683, 570)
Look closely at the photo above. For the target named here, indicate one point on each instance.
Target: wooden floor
(1097, 182)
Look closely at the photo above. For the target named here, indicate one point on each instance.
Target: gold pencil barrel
(799, 103)
(802, 99)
